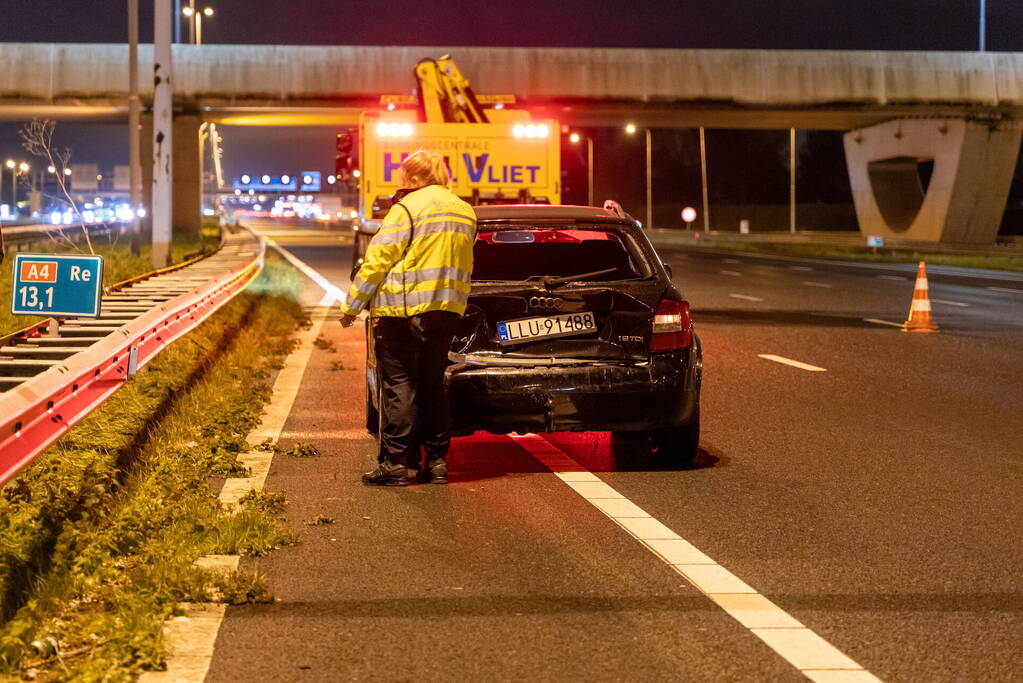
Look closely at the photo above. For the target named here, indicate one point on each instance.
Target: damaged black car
(573, 324)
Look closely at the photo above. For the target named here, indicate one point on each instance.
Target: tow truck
(496, 154)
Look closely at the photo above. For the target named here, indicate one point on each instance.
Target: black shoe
(387, 475)
(435, 472)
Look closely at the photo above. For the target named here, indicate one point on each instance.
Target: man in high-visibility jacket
(415, 278)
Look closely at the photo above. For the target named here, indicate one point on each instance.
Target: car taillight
(673, 326)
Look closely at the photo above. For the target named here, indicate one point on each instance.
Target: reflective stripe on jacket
(434, 274)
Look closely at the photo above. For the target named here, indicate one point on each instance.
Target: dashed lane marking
(732, 260)
(745, 297)
(900, 278)
(794, 363)
(335, 292)
(731, 272)
(801, 268)
(949, 303)
(878, 321)
(812, 655)
(811, 283)
(1007, 290)
(191, 637)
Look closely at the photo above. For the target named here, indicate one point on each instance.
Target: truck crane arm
(445, 95)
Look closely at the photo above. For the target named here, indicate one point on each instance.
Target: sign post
(57, 285)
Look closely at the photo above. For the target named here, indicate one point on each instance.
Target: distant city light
(187, 11)
(390, 106)
(689, 214)
(23, 167)
(51, 169)
(285, 179)
(630, 128)
(67, 171)
(246, 179)
(308, 180)
(252, 192)
(331, 180)
(266, 180)
(574, 138)
(208, 11)
(10, 163)
(237, 191)
(356, 173)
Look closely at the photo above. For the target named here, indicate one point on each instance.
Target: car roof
(549, 212)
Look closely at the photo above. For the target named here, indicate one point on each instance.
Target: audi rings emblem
(546, 302)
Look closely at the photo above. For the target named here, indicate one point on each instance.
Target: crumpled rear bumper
(661, 393)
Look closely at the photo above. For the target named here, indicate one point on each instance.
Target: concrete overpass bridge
(963, 111)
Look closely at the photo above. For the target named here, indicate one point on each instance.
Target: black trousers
(412, 354)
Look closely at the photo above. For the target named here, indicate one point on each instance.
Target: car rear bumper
(661, 393)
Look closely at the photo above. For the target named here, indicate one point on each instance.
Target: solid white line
(811, 654)
(730, 272)
(878, 321)
(949, 303)
(323, 282)
(191, 638)
(809, 283)
(891, 277)
(745, 297)
(1005, 289)
(802, 268)
(732, 260)
(794, 363)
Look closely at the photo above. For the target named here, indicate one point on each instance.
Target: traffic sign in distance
(57, 285)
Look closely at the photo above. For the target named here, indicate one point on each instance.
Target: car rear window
(524, 253)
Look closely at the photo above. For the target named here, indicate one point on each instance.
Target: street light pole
(134, 120)
(703, 180)
(589, 169)
(163, 128)
(983, 24)
(792, 179)
(649, 181)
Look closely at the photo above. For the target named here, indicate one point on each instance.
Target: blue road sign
(57, 285)
(875, 241)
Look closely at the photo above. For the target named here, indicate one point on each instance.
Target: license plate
(545, 327)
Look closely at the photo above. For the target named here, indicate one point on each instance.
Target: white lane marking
(1005, 289)
(891, 277)
(794, 363)
(745, 297)
(878, 321)
(810, 283)
(323, 282)
(949, 303)
(732, 260)
(731, 272)
(190, 639)
(801, 268)
(812, 655)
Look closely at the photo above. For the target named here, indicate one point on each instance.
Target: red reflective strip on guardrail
(38, 412)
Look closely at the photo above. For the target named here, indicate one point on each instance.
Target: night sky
(767, 24)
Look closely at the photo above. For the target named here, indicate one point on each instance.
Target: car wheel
(631, 450)
(677, 447)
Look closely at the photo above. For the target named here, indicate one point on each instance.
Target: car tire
(678, 447)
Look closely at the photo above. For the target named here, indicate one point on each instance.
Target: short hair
(429, 167)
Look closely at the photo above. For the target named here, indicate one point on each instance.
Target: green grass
(119, 264)
(1010, 262)
(99, 535)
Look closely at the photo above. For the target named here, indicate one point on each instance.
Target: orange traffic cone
(920, 311)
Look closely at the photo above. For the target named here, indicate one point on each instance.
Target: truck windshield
(531, 253)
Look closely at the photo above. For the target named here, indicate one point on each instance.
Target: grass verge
(1010, 262)
(98, 537)
(119, 263)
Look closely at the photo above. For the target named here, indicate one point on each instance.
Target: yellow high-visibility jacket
(430, 274)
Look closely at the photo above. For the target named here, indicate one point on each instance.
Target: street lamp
(575, 138)
(630, 128)
(196, 16)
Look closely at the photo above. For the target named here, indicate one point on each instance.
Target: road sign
(689, 214)
(57, 285)
(875, 240)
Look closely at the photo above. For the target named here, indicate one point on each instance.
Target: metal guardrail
(15, 234)
(50, 383)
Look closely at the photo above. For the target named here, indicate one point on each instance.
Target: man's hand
(347, 320)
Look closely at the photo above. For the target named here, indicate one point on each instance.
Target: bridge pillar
(940, 180)
(187, 197)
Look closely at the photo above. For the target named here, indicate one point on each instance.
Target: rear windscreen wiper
(549, 282)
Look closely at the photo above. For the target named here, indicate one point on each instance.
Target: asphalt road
(877, 502)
